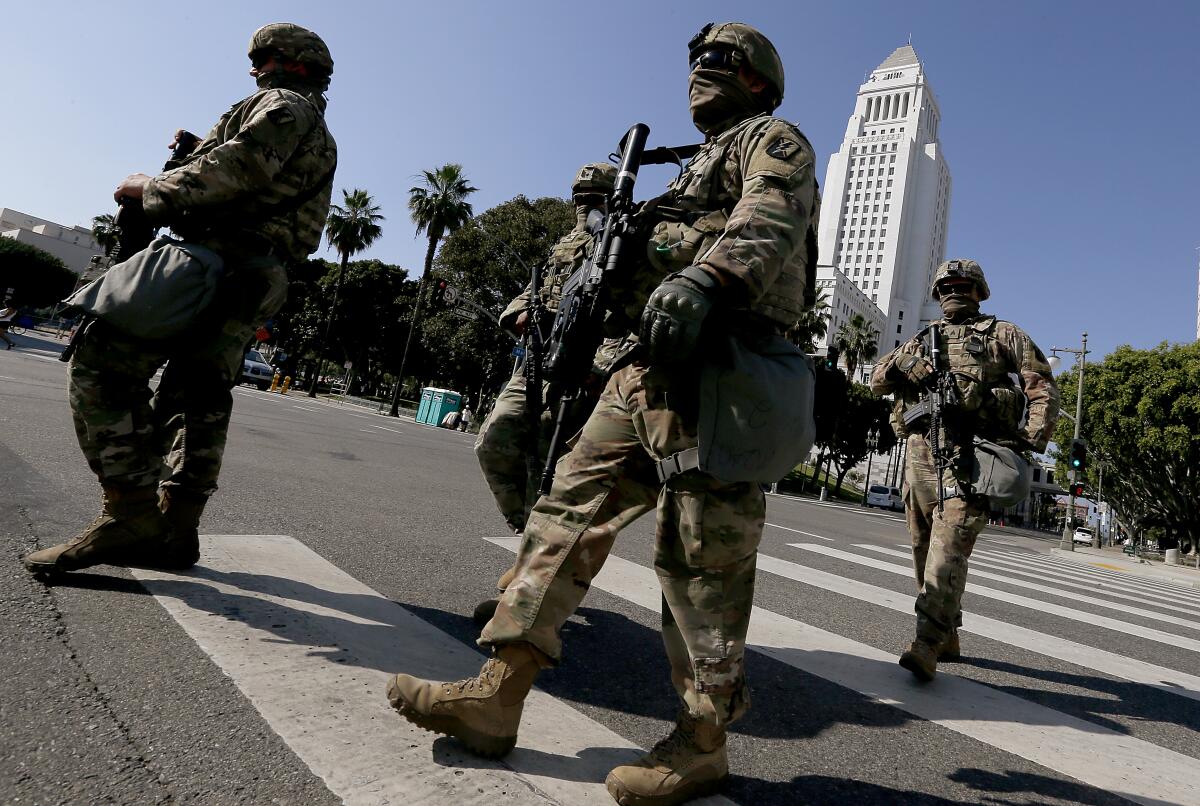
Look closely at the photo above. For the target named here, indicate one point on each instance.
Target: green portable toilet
(436, 404)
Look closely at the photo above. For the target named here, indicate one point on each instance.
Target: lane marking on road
(1106, 565)
(1149, 633)
(385, 428)
(312, 649)
(1131, 768)
(978, 573)
(1171, 681)
(1130, 591)
(304, 408)
(801, 532)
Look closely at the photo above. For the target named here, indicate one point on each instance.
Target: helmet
(960, 267)
(295, 43)
(756, 48)
(597, 177)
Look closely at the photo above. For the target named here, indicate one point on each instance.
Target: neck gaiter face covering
(958, 307)
(718, 100)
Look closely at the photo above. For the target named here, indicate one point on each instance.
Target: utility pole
(872, 443)
(1068, 542)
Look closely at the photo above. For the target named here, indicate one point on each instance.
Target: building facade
(845, 300)
(74, 246)
(886, 199)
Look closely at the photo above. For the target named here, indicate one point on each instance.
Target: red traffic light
(1077, 490)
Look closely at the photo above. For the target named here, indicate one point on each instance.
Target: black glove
(674, 313)
(915, 369)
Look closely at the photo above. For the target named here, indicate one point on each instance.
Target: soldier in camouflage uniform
(982, 353)
(730, 238)
(505, 439)
(256, 191)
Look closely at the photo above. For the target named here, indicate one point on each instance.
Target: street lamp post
(872, 443)
(1068, 542)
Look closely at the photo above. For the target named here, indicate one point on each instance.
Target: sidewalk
(1115, 560)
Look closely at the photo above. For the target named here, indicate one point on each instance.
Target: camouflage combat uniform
(503, 445)
(981, 351)
(743, 208)
(231, 195)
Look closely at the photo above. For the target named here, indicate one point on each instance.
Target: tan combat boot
(487, 608)
(482, 712)
(921, 659)
(182, 510)
(689, 763)
(949, 649)
(129, 524)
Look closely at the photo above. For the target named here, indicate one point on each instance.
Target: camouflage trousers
(942, 542)
(706, 541)
(503, 449)
(176, 434)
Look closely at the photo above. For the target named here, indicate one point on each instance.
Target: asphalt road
(1069, 672)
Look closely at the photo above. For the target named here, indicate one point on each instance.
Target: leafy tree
(350, 229)
(437, 206)
(489, 262)
(857, 341)
(1141, 410)
(864, 413)
(37, 277)
(104, 231)
(810, 329)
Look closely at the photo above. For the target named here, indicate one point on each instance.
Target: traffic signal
(1077, 490)
(1077, 458)
(437, 295)
(831, 358)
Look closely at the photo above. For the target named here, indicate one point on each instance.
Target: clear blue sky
(1070, 128)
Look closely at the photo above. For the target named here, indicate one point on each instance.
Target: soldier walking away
(945, 514)
(512, 435)
(728, 252)
(256, 191)
(7, 315)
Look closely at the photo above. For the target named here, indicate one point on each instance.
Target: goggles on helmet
(716, 59)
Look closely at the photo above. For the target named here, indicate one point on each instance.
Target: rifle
(934, 402)
(578, 325)
(134, 231)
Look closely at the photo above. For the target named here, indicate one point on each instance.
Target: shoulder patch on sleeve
(281, 116)
(782, 148)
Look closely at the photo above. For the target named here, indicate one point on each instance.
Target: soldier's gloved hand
(674, 314)
(916, 369)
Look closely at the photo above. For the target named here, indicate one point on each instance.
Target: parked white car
(1082, 534)
(256, 370)
(885, 498)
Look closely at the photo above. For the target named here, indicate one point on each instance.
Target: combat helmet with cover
(750, 44)
(960, 267)
(293, 42)
(595, 177)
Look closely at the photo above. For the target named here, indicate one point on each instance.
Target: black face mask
(718, 100)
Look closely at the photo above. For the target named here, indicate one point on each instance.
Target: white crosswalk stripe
(1128, 592)
(1095, 572)
(978, 573)
(1129, 767)
(311, 647)
(1171, 681)
(1148, 633)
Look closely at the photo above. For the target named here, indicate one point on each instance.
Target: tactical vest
(989, 399)
(565, 257)
(691, 219)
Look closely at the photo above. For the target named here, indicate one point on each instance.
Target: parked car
(256, 370)
(885, 498)
(1083, 534)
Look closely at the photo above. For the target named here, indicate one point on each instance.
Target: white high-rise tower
(886, 197)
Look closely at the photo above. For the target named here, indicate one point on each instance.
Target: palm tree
(812, 325)
(349, 229)
(857, 341)
(438, 206)
(104, 231)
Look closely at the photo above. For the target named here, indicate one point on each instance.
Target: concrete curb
(1106, 559)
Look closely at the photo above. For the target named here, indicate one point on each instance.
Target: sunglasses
(717, 59)
(955, 286)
